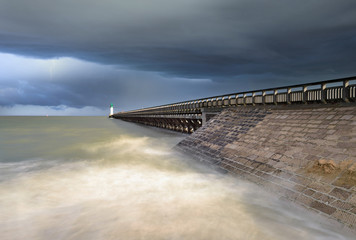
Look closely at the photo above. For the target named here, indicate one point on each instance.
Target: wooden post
(264, 97)
(289, 90)
(323, 93)
(305, 94)
(346, 91)
(275, 92)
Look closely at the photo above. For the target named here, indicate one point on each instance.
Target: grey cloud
(193, 38)
(88, 84)
(237, 44)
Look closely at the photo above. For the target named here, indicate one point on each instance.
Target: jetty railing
(330, 91)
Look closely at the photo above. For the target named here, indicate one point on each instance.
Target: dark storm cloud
(200, 38)
(238, 44)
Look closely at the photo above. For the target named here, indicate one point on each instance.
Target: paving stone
(342, 205)
(340, 193)
(301, 180)
(352, 199)
(287, 184)
(309, 192)
(304, 200)
(323, 207)
(347, 117)
(291, 194)
(299, 188)
(353, 210)
(323, 197)
(282, 174)
(348, 218)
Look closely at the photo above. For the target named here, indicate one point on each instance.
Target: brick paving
(306, 154)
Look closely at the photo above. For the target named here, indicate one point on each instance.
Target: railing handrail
(222, 96)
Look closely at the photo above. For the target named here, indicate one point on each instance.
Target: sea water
(96, 178)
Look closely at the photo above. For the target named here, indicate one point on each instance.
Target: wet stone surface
(304, 154)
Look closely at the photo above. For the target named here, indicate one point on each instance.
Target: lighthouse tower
(111, 109)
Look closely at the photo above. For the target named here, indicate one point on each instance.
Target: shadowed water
(95, 178)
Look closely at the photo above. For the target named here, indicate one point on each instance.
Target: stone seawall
(306, 154)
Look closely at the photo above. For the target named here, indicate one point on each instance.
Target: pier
(190, 115)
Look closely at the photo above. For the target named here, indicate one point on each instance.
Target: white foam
(135, 188)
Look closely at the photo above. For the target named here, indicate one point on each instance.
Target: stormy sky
(65, 57)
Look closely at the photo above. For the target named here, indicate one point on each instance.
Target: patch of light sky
(16, 67)
(61, 110)
(26, 79)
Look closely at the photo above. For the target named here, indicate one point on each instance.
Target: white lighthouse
(111, 109)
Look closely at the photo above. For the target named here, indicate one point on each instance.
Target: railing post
(244, 96)
(253, 98)
(289, 90)
(305, 94)
(263, 97)
(323, 93)
(346, 91)
(237, 99)
(275, 92)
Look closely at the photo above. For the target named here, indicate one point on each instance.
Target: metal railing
(319, 92)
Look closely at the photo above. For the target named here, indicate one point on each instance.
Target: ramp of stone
(306, 154)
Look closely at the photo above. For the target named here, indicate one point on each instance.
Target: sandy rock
(328, 166)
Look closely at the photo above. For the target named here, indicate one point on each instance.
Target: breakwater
(190, 115)
(306, 153)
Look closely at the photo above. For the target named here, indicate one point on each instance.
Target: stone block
(291, 194)
(315, 121)
(347, 117)
(353, 210)
(252, 178)
(307, 201)
(321, 187)
(346, 180)
(299, 188)
(343, 144)
(271, 178)
(312, 158)
(340, 193)
(330, 117)
(323, 197)
(323, 207)
(346, 217)
(352, 199)
(301, 180)
(287, 184)
(309, 192)
(282, 174)
(342, 205)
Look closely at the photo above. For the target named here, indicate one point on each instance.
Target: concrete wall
(307, 154)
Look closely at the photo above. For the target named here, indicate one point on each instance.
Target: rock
(327, 166)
